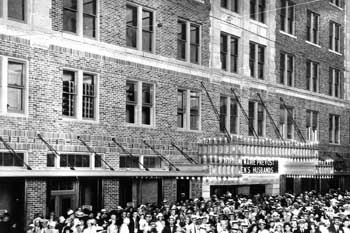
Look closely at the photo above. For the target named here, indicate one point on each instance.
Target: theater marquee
(250, 166)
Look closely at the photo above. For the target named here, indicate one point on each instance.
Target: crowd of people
(308, 212)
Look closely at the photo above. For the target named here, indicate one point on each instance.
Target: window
(8, 159)
(16, 9)
(337, 3)
(80, 17)
(152, 162)
(312, 81)
(231, 5)
(79, 95)
(287, 16)
(311, 125)
(312, 27)
(141, 36)
(188, 110)
(334, 36)
(13, 86)
(286, 122)
(228, 115)
(256, 60)
(50, 162)
(74, 160)
(334, 125)
(286, 69)
(188, 42)
(229, 52)
(334, 82)
(139, 103)
(257, 10)
(128, 162)
(256, 118)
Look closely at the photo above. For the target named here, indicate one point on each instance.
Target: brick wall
(35, 193)
(110, 192)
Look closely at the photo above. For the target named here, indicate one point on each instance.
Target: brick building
(106, 103)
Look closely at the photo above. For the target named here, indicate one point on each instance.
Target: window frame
(334, 3)
(92, 161)
(79, 74)
(334, 84)
(140, 29)
(230, 66)
(284, 17)
(4, 12)
(310, 76)
(334, 36)
(188, 43)
(284, 125)
(229, 7)
(312, 33)
(284, 77)
(187, 109)
(139, 104)
(256, 13)
(256, 120)
(80, 21)
(334, 129)
(25, 160)
(4, 86)
(255, 61)
(312, 134)
(228, 116)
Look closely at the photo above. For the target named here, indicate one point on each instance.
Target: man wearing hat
(302, 226)
(170, 226)
(335, 227)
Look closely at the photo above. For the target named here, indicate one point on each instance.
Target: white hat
(70, 212)
(159, 215)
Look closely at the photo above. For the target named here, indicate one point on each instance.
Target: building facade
(106, 103)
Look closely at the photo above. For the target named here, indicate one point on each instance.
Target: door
(125, 191)
(183, 190)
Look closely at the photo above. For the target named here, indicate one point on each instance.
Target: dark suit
(133, 224)
(300, 231)
(168, 229)
(333, 229)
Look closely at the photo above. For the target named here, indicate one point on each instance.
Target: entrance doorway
(183, 190)
(64, 195)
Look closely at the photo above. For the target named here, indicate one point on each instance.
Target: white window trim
(3, 86)
(57, 161)
(79, 25)
(285, 74)
(228, 55)
(333, 83)
(187, 113)
(312, 136)
(311, 81)
(139, 31)
(255, 125)
(188, 41)
(4, 12)
(283, 127)
(138, 107)
(256, 61)
(288, 6)
(25, 160)
(79, 74)
(312, 18)
(333, 129)
(228, 116)
(334, 32)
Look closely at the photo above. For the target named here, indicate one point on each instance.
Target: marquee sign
(253, 166)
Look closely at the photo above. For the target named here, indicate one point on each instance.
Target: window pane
(260, 120)
(223, 113)
(147, 30)
(194, 30)
(181, 40)
(98, 161)
(8, 159)
(72, 4)
(16, 9)
(131, 26)
(89, 25)
(251, 116)
(146, 94)
(194, 111)
(180, 108)
(130, 113)
(233, 116)
(146, 115)
(14, 99)
(69, 21)
(50, 160)
(88, 96)
(223, 50)
(15, 73)
(252, 59)
(63, 160)
(68, 93)
(89, 7)
(130, 102)
(18, 160)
